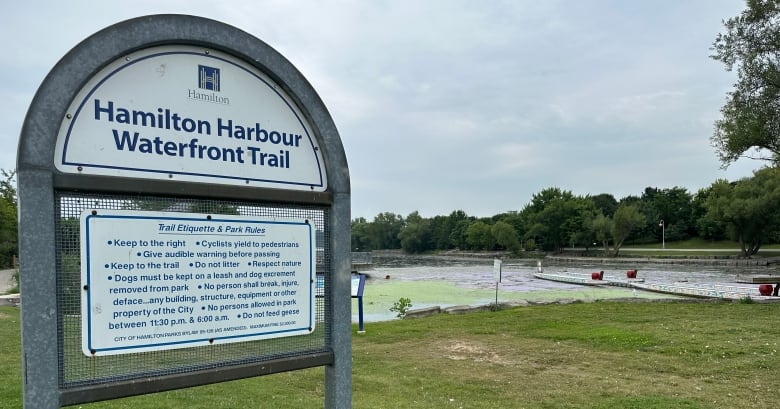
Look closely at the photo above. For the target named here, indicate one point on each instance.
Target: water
(478, 273)
(442, 281)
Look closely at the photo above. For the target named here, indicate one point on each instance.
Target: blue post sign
(358, 284)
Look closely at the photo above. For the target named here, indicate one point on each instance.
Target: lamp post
(663, 234)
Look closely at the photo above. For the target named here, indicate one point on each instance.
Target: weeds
(401, 307)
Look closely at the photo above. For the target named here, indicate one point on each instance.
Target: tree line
(744, 211)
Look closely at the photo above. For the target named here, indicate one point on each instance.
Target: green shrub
(401, 307)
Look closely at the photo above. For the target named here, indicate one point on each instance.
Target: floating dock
(702, 290)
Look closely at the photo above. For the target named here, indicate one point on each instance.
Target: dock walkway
(706, 290)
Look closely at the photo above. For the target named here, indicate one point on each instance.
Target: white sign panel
(497, 270)
(355, 290)
(184, 113)
(158, 280)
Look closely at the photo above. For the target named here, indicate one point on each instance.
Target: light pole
(663, 234)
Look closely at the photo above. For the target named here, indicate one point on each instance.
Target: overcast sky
(470, 105)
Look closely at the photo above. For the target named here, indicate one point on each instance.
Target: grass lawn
(592, 355)
(696, 247)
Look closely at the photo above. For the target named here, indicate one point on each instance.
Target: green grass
(10, 358)
(698, 247)
(592, 355)
(698, 243)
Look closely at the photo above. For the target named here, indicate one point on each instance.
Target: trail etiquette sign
(184, 218)
(155, 281)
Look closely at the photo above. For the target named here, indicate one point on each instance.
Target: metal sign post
(497, 275)
(358, 285)
(181, 187)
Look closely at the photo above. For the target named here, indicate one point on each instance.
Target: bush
(401, 307)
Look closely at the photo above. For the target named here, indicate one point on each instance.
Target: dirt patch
(458, 350)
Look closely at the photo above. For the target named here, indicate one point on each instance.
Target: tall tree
(479, 236)
(751, 116)
(8, 218)
(627, 218)
(545, 216)
(606, 203)
(506, 236)
(458, 236)
(457, 223)
(440, 232)
(361, 240)
(384, 231)
(601, 226)
(557, 218)
(515, 219)
(673, 206)
(415, 236)
(708, 227)
(748, 207)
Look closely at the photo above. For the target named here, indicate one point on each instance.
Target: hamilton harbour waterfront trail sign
(192, 114)
(184, 218)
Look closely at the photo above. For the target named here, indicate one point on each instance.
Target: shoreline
(454, 255)
(711, 261)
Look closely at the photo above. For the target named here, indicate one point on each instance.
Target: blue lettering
(163, 119)
(108, 110)
(125, 140)
(228, 127)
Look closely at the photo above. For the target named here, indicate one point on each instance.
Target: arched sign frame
(40, 180)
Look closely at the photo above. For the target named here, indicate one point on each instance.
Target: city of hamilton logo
(208, 78)
(208, 86)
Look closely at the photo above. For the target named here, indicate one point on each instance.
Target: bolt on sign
(184, 213)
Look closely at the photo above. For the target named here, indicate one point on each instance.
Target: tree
(458, 236)
(751, 116)
(627, 218)
(361, 240)
(440, 233)
(384, 231)
(506, 236)
(601, 226)
(557, 218)
(539, 201)
(514, 218)
(8, 218)
(748, 207)
(479, 236)
(545, 217)
(707, 226)
(606, 203)
(673, 206)
(445, 230)
(415, 236)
